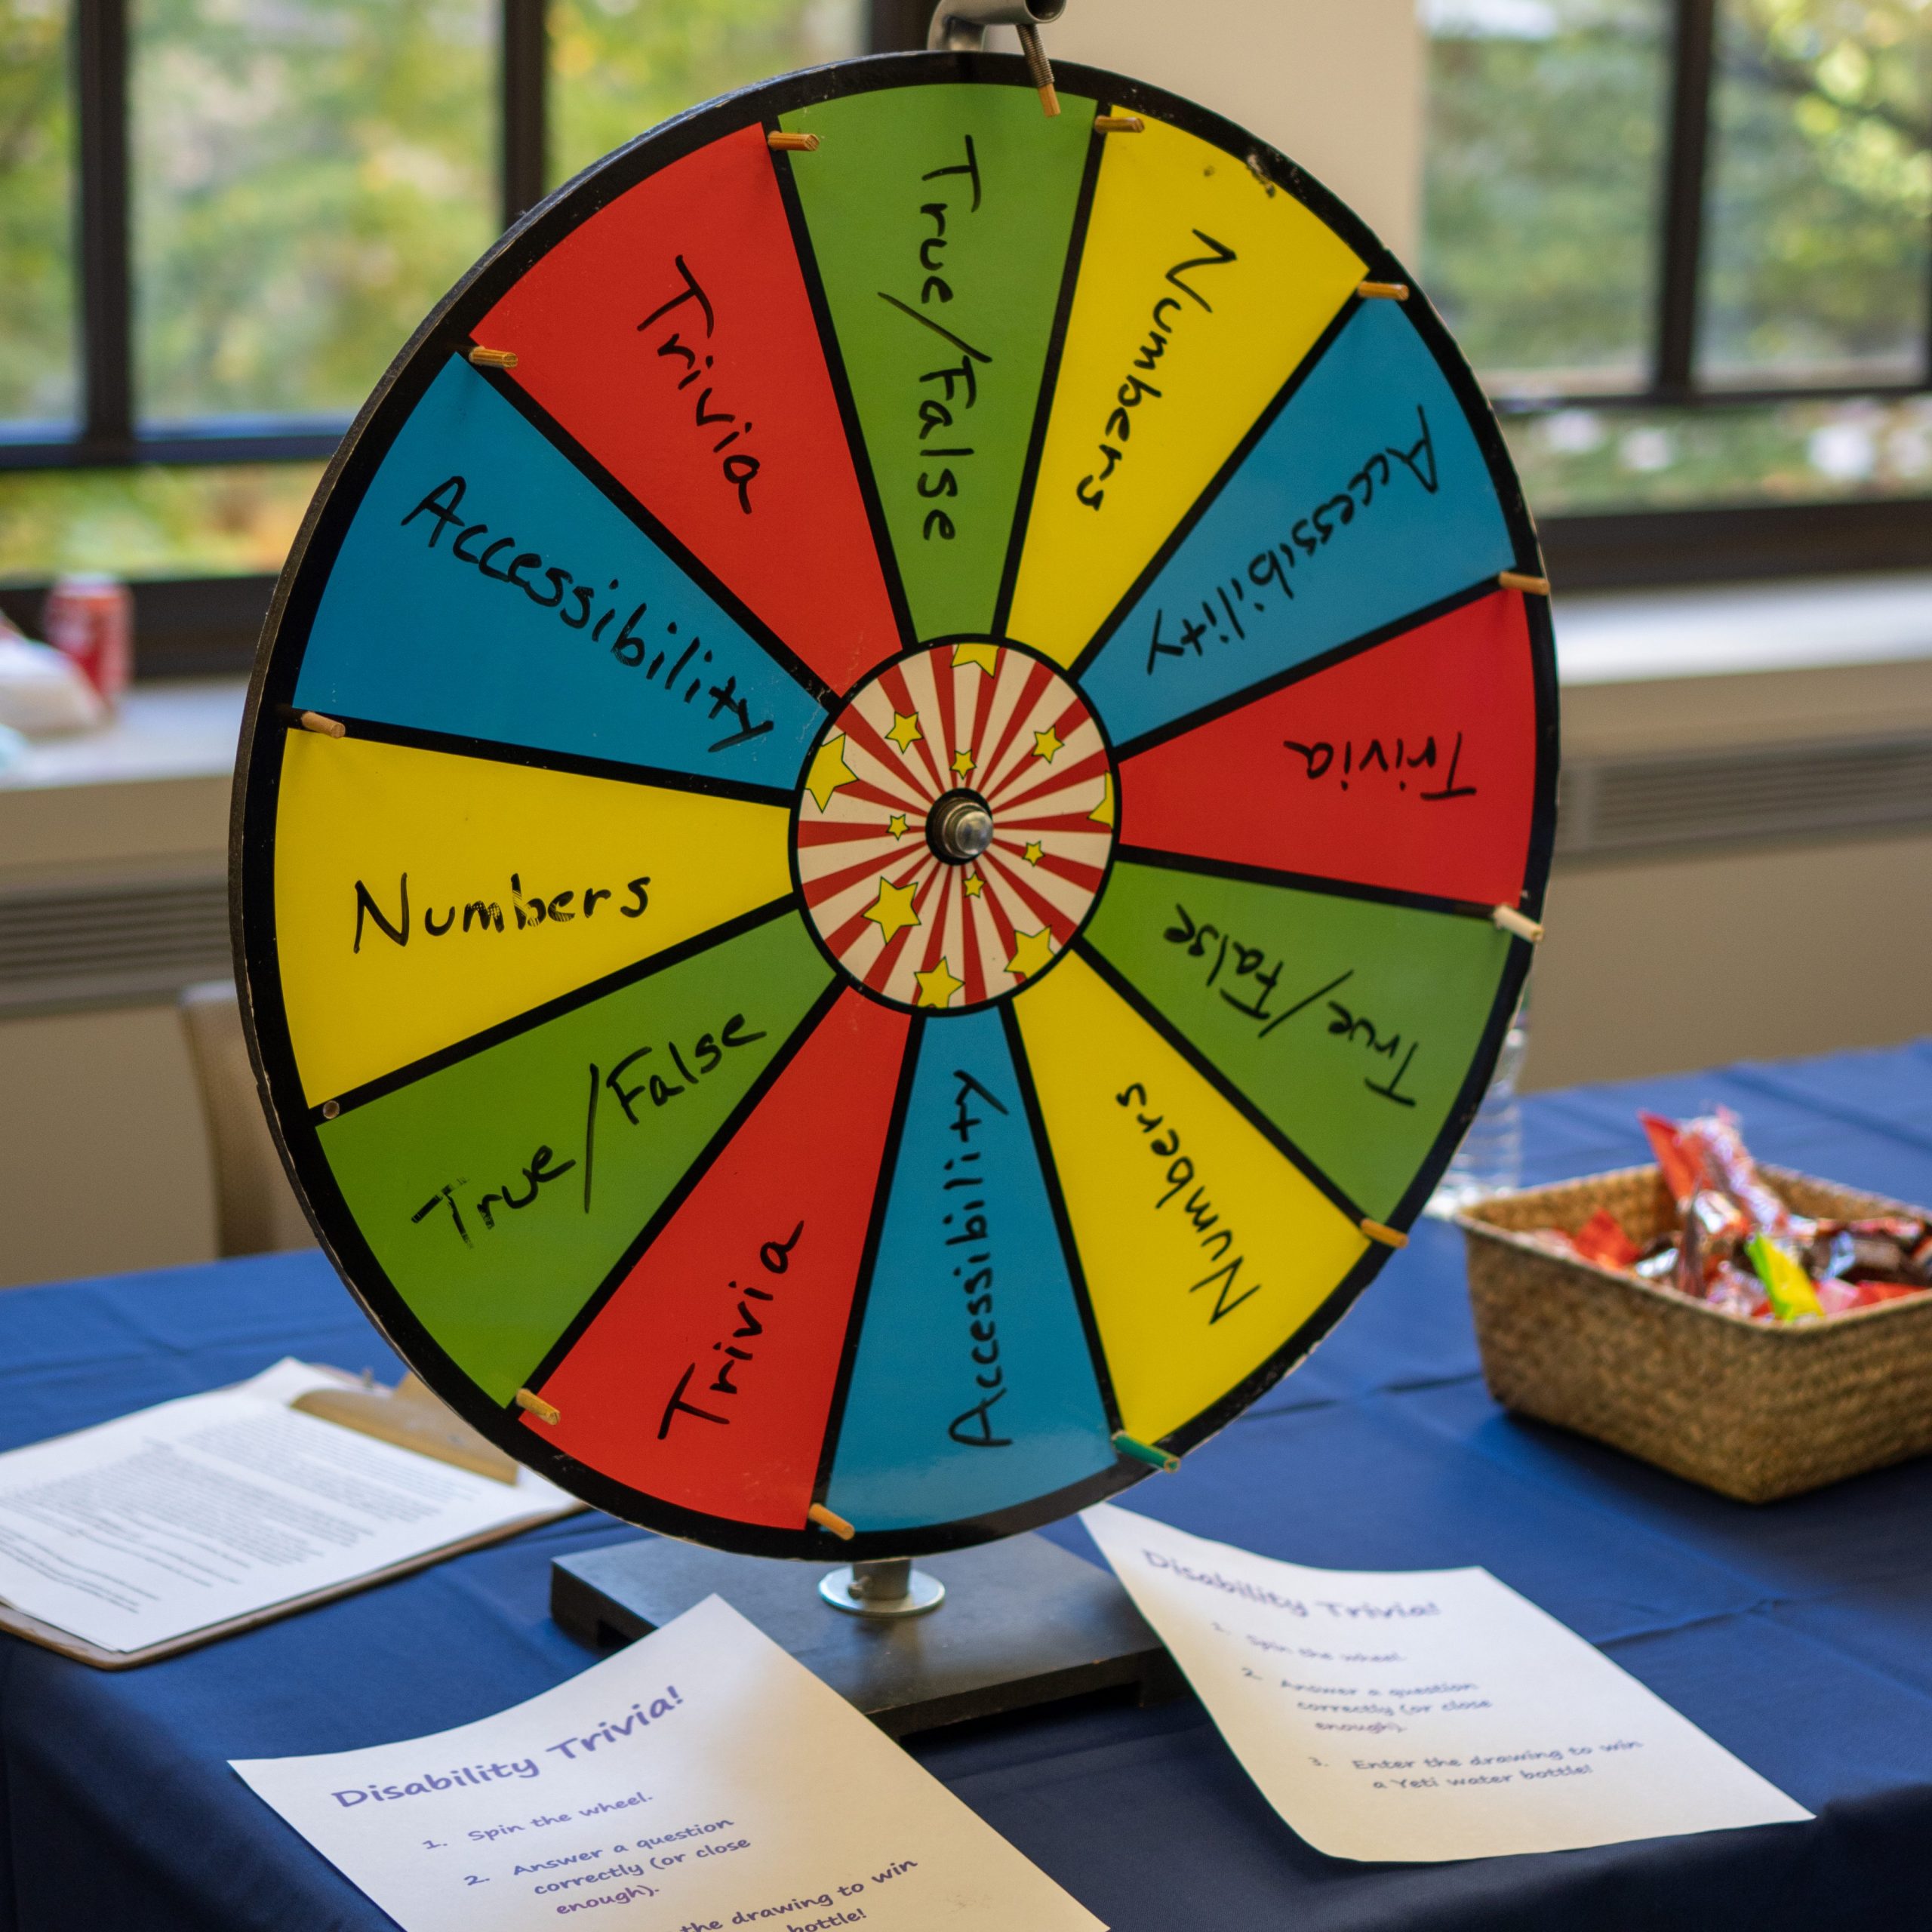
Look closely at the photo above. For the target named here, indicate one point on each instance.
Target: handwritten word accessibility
(573, 600)
(1270, 569)
(974, 1427)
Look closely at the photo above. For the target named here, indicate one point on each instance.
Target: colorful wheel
(872, 807)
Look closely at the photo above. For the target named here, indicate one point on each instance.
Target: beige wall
(103, 1165)
(1336, 84)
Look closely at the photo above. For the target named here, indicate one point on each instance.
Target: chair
(255, 1210)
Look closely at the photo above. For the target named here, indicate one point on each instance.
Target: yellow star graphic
(892, 911)
(1103, 813)
(1046, 742)
(986, 656)
(973, 887)
(962, 765)
(896, 825)
(937, 987)
(829, 771)
(905, 733)
(1035, 853)
(1031, 950)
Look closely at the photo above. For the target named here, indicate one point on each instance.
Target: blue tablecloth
(1799, 1635)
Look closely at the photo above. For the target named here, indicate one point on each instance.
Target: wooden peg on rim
(535, 1404)
(1383, 292)
(1388, 1237)
(1534, 586)
(494, 358)
(1119, 124)
(1039, 69)
(1511, 921)
(783, 143)
(314, 721)
(826, 1520)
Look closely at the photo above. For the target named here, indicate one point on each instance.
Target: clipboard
(401, 1416)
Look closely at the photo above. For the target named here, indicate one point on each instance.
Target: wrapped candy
(1737, 1246)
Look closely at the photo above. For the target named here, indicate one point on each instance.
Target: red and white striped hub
(956, 825)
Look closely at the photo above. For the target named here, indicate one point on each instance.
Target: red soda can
(91, 620)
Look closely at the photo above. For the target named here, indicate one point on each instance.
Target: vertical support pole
(100, 71)
(525, 74)
(1687, 167)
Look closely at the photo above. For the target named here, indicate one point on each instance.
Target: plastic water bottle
(1490, 1160)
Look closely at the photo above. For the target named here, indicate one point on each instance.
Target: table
(1798, 1636)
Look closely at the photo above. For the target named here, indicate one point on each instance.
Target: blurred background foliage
(311, 175)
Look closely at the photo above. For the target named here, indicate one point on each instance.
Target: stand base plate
(1024, 1622)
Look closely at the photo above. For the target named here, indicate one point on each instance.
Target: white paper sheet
(218, 1505)
(700, 1780)
(1424, 1714)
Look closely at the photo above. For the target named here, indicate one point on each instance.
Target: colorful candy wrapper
(1683, 1172)
(1601, 1239)
(1787, 1287)
(1721, 1152)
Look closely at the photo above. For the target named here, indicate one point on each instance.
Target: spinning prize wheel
(893, 805)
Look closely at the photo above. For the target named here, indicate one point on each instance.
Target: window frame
(1585, 550)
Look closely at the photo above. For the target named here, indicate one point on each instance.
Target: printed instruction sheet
(220, 1505)
(701, 1779)
(1426, 1713)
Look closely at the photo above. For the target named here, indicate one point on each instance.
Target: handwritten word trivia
(1136, 390)
(1271, 570)
(952, 390)
(1196, 1207)
(573, 600)
(775, 1257)
(1358, 761)
(739, 470)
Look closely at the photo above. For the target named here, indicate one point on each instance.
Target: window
(1685, 242)
(1688, 245)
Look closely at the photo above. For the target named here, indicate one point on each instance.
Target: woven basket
(1754, 1410)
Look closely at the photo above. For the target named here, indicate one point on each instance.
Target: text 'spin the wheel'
(875, 812)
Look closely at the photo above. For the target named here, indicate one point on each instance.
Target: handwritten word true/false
(709, 1050)
(775, 1257)
(1270, 570)
(1358, 761)
(974, 1427)
(486, 916)
(1179, 1173)
(1348, 1026)
(739, 470)
(1135, 391)
(630, 647)
(951, 390)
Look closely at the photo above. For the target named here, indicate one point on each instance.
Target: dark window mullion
(897, 26)
(106, 276)
(525, 106)
(1693, 61)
